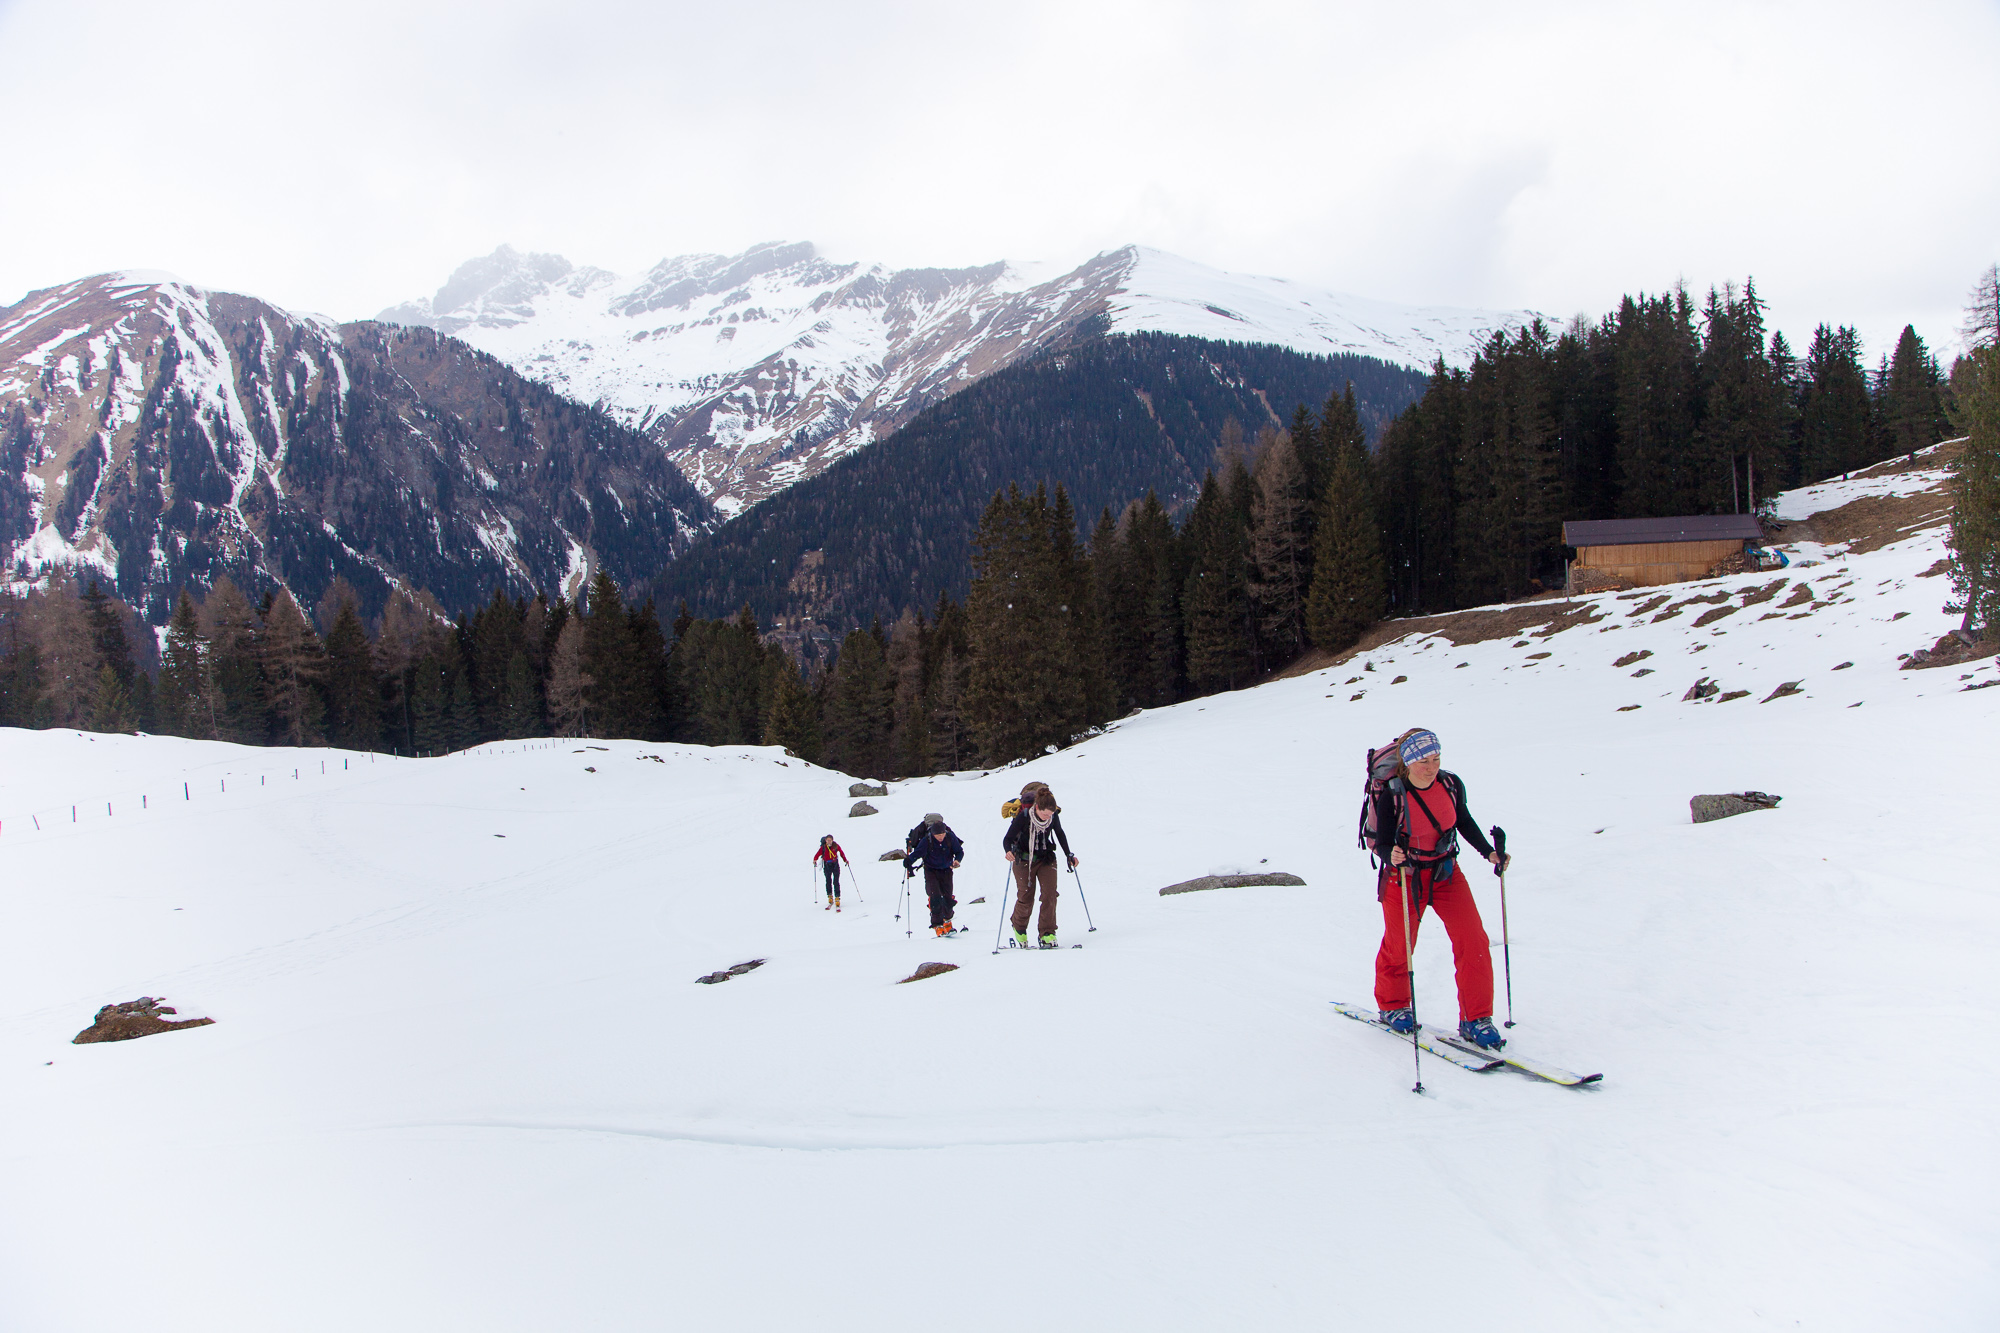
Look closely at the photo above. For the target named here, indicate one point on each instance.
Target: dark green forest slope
(1110, 418)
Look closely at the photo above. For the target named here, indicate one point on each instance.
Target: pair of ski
(1454, 1049)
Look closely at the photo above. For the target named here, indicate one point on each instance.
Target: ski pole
(1001, 924)
(910, 913)
(859, 897)
(1410, 966)
(1506, 950)
(1085, 901)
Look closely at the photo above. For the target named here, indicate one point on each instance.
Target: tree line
(1298, 538)
(1659, 408)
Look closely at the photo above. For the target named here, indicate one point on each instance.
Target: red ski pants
(1471, 951)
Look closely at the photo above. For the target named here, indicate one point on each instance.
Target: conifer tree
(570, 682)
(111, 708)
(1835, 424)
(1974, 536)
(232, 628)
(910, 727)
(185, 700)
(1912, 397)
(1348, 579)
(353, 695)
(1215, 598)
(860, 707)
(1280, 560)
(793, 718)
(288, 653)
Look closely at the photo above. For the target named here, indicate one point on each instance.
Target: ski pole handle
(1500, 846)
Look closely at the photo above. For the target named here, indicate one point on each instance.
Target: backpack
(1010, 808)
(1381, 775)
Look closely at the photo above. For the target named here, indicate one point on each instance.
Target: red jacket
(828, 853)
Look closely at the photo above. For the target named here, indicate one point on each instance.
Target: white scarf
(1038, 832)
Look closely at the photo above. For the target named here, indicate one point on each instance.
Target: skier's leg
(1046, 873)
(937, 888)
(1024, 896)
(1392, 966)
(950, 894)
(1471, 951)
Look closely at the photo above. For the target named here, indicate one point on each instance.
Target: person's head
(1045, 803)
(938, 831)
(826, 840)
(1419, 755)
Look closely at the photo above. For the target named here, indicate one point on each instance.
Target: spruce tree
(860, 708)
(289, 657)
(1912, 398)
(1348, 580)
(793, 718)
(1280, 560)
(111, 708)
(353, 695)
(1215, 600)
(570, 683)
(184, 699)
(1835, 426)
(232, 629)
(1974, 536)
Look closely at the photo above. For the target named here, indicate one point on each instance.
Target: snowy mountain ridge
(758, 369)
(158, 436)
(461, 1075)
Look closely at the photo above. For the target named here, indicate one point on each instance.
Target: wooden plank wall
(1650, 563)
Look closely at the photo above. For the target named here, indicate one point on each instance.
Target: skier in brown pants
(1030, 845)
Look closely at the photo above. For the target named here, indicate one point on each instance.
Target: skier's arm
(1062, 837)
(1468, 827)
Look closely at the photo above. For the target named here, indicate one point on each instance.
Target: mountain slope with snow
(461, 1075)
(759, 369)
(160, 436)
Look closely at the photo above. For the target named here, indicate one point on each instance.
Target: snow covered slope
(460, 1075)
(761, 368)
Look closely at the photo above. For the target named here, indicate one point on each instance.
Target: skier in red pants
(1418, 821)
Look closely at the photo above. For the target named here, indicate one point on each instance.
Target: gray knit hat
(934, 819)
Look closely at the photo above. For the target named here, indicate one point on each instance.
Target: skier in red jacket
(1418, 822)
(828, 858)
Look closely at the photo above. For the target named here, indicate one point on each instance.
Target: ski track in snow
(464, 1080)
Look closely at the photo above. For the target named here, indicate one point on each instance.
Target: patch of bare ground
(1874, 521)
(1951, 650)
(142, 1017)
(1539, 616)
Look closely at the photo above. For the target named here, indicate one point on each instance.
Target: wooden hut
(1647, 551)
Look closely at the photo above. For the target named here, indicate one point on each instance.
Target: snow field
(465, 1081)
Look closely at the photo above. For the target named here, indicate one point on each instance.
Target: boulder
(864, 789)
(1706, 808)
(728, 972)
(861, 808)
(896, 855)
(925, 971)
(1230, 882)
(135, 1018)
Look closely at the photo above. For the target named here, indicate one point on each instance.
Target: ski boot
(829, 904)
(1020, 939)
(1048, 941)
(836, 904)
(1481, 1033)
(1399, 1020)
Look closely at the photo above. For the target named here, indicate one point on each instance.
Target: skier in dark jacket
(1418, 821)
(1030, 845)
(940, 851)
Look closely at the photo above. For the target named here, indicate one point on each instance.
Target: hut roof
(1638, 531)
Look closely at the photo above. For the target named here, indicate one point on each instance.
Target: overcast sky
(343, 157)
